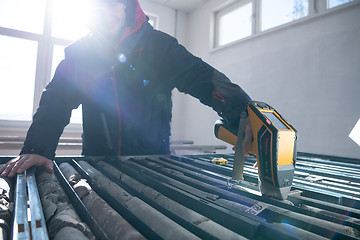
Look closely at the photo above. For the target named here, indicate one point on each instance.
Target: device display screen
(275, 120)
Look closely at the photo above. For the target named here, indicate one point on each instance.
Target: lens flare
(122, 58)
(145, 82)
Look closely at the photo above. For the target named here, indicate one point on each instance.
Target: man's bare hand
(23, 162)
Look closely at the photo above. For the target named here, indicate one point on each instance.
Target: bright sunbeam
(70, 18)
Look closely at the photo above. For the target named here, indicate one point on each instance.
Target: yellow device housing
(274, 144)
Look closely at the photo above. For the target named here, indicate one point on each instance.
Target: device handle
(239, 159)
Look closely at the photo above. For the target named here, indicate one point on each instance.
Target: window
(23, 15)
(275, 13)
(244, 18)
(73, 26)
(234, 23)
(17, 81)
(335, 3)
(30, 33)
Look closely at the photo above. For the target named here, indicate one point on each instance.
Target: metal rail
(38, 225)
(78, 205)
(337, 187)
(148, 221)
(20, 227)
(298, 217)
(27, 200)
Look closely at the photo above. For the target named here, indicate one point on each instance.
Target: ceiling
(183, 5)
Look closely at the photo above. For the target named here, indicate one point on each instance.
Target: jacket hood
(135, 17)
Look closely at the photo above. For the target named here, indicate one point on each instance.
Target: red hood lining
(136, 20)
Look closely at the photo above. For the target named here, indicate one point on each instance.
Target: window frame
(46, 43)
(317, 8)
(234, 5)
(260, 18)
(43, 72)
(327, 4)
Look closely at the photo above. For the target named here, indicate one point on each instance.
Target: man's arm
(53, 114)
(49, 121)
(191, 75)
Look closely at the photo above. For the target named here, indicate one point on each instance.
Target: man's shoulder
(79, 46)
(162, 35)
(158, 39)
(149, 33)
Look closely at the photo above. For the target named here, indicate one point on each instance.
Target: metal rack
(162, 196)
(29, 222)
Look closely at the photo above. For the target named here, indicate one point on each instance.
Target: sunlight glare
(70, 18)
(17, 87)
(23, 15)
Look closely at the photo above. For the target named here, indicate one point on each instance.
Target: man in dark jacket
(123, 75)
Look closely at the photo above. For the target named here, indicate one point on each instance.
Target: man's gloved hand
(23, 162)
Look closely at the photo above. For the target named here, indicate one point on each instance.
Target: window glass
(335, 3)
(70, 18)
(234, 24)
(17, 71)
(58, 56)
(23, 15)
(275, 13)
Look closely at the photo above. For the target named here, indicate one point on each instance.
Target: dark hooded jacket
(125, 92)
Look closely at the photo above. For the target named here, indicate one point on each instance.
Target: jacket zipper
(117, 108)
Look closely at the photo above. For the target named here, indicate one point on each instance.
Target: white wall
(310, 73)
